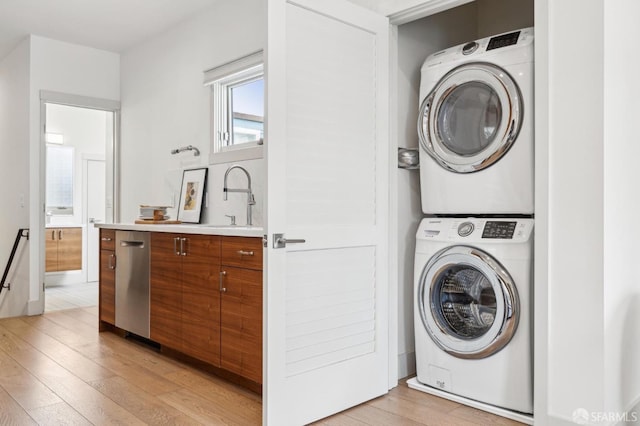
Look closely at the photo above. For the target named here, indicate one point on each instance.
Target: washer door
(468, 302)
(471, 118)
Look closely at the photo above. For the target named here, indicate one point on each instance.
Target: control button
(465, 229)
(469, 48)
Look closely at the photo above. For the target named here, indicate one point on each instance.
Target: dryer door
(471, 117)
(468, 302)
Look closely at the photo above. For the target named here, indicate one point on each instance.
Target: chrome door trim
(513, 107)
(507, 317)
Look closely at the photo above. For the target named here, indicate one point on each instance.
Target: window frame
(220, 81)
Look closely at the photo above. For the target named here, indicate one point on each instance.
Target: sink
(231, 227)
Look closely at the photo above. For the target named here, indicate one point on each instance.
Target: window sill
(253, 153)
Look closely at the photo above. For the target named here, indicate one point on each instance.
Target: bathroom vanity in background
(63, 248)
(205, 294)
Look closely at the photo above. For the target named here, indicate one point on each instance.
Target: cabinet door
(201, 297)
(69, 249)
(51, 250)
(241, 322)
(166, 290)
(107, 286)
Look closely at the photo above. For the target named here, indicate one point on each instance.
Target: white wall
(593, 296)
(165, 106)
(621, 283)
(14, 176)
(416, 41)
(67, 68)
(576, 279)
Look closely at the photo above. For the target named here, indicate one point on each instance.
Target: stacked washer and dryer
(474, 248)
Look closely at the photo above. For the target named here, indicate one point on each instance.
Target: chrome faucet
(250, 199)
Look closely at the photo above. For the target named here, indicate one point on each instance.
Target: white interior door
(96, 213)
(326, 323)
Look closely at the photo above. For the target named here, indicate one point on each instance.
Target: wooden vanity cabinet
(63, 249)
(241, 307)
(184, 294)
(107, 288)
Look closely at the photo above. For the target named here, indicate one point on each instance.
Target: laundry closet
(415, 41)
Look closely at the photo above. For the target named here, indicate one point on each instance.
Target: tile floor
(69, 296)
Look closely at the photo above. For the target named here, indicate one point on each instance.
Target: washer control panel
(495, 229)
(503, 40)
(476, 230)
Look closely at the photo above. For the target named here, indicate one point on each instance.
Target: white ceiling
(112, 25)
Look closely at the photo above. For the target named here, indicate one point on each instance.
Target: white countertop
(64, 225)
(189, 228)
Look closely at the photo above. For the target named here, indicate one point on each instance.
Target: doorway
(79, 144)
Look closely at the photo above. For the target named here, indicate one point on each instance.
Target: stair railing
(22, 233)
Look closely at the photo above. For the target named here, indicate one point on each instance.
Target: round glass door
(464, 302)
(471, 117)
(468, 302)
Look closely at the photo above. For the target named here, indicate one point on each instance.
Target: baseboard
(406, 364)
(63, 278)
(523, 418)
(35, 307)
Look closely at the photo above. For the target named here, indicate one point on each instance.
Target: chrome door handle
(183, 252)
(279, 241)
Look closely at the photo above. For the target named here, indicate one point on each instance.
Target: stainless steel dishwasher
(132, 282)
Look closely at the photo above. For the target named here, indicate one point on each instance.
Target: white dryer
(473, 309)
(475, 127)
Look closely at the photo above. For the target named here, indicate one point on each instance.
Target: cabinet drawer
(243, 252)
(107, 239)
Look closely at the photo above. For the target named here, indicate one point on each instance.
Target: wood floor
(57, 369)
(69, 296)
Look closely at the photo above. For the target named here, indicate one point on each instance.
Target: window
(237, 109)
(60, 180)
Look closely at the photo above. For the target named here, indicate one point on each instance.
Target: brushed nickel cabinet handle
(106, 239)
(112, 264)
(175, 246)
(222, 275)
(183, 246)
(245, 253)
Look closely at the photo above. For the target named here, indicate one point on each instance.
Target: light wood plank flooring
(57, 369)
(67, 296)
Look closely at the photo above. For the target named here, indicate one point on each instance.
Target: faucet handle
(232, 217)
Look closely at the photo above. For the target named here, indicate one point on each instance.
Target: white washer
(476, 127)
(473, 309)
